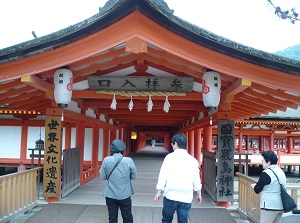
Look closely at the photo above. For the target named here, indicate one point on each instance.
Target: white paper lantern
(63, 86)
(211, 84)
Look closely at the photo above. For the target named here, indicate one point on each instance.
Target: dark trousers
(171, 206)
(113, 206)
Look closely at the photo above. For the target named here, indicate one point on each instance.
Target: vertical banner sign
(52, 156)
(225, 174)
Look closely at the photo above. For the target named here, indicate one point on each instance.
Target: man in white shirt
(178, 178)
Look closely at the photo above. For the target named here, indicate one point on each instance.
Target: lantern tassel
(150, 104)
(113, 105)
(130, 105)
(62, 116)
(210, 120)
(167, 105)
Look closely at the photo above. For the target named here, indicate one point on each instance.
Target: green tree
(291, 14)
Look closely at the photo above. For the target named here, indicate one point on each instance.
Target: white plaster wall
(100, 145)
(10, 139)
(88, 136)
(73, 137)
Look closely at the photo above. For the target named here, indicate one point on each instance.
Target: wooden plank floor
(148, 162)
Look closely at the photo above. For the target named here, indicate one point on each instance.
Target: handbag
(114, 168)
(287, 201)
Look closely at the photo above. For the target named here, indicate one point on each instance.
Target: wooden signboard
(225, 173)
(167, 84)
(52, 156)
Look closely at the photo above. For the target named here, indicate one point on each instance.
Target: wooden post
(191, 143)
(105, 143)
(198, 144)
(24, 137)
(95, 151)
(240, 150)
(68, 135)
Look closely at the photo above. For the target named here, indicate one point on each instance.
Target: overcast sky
(250, 22)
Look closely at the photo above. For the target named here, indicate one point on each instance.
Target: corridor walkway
(86, 204)
(148, 162)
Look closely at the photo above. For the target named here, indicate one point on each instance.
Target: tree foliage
(291, 14)
(292, 52)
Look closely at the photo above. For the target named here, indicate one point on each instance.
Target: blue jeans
(171, 206)
(113, 206)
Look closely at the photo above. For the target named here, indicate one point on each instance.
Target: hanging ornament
(211, 83)
(167, 105)
(62, 116)
(150, 104)
(130, 105)
(113, 105)
(63, 86)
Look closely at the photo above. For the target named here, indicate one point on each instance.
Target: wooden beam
(126, 111)
(21, 97)
(76, 117)
(138, 104)
(149, 117)
(16, 91)
(263, 102)
(37, 83)
(190, 96)
(270, 98)
(237, 87)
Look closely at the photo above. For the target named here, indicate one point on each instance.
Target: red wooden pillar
(95, 151)
(68, 136)
(23, 149)
(167, 142)
(198, 144)
(271, 142)
(113, 135)
(261, 143)
(290, 145)
(191, 142)
(105, 143)
(80, 132)
(207, 139)
(187, 145)
(240, 146)
(247, 144)
(126, 137)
